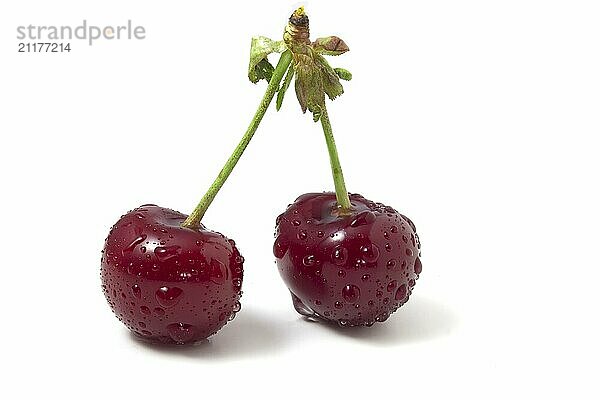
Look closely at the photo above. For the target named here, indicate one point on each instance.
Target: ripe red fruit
(168, 283)
(353, 269)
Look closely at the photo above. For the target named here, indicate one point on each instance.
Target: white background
(478, 119)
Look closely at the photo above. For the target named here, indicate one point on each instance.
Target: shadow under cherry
(421, 319)
(250, 334)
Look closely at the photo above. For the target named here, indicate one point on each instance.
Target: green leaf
(343, 73)
(309, 86)
(259, 67)
(330, 46)
(331, 82)
(284, 86)
(264, 70)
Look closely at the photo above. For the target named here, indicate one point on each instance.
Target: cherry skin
(352, 269)
(167, 283)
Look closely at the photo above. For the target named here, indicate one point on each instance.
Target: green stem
(341, 193)
(193, 221)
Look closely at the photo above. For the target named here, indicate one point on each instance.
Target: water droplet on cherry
(129, 248)
(339, 255)
(351, 293)
(392, 286)
(309, 260)
(218, 272)
(370, 252)
(181, 332)
(279, 248)
(418, 266)
(165, 253)
(401, 292)
(137, 291)
(168, 296)
(363, 218)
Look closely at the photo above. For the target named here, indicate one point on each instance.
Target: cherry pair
(344, 258)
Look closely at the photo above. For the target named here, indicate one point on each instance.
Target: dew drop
(302, 308)
(370, 252)
(129, 248)
(409, 252)
(392, 286)
(391, 263)
(388, 247)
(168, 296)
(180, 332)
(341, 273)
(218, 272)
(418, 266)
(280, 248)
(339, 255)
(165, 253)
(309, 260)
(137, 291)
(351, 293)
(394, 229)
(338, 305)
(363, 218)
(145, 310)
(401, 292)
(365, 277)
(236, 307)
(302, 235)
(382, 317)
(296, 222)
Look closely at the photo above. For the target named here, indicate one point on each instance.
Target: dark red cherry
(352, 269)
(168, 283)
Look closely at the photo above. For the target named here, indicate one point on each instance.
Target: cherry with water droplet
(352, 241)
(159, 292)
